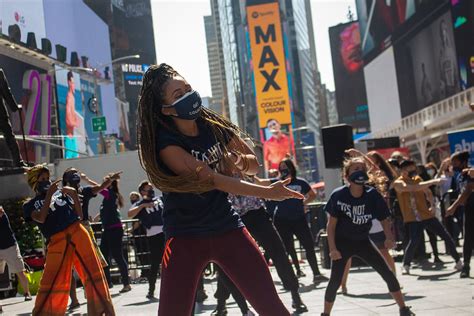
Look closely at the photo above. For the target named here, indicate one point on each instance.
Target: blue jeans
(415, 229)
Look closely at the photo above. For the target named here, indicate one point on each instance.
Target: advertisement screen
(269, 64)
(381, 21)
(427, 66)
(463, 19)
(462, 141)
(87, 95)
(71, 113)
(32, 87)
(348, 66)
(28, 16)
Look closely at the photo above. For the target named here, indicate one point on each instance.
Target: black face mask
(151, 193)
(74, 180)
(284, 173)
(133, 201)
(457, 169)
(43, 186)
(359, 177)
(412, 174)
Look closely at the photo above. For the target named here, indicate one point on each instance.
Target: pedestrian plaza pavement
(430, 290)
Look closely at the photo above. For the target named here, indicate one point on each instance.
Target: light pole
(94, 71)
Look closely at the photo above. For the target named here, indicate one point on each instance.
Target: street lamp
(94, 71)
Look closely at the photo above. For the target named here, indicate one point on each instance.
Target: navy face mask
(412, 174)
(284, 173)
(188, 107)
(151, 194)
(74, 180)
(43, 186)
(359, 177)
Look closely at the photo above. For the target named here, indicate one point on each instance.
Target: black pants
(416, 231)
(299, 228)
(261, 228)
(157, 247)
(367, 252)
(225, 287)
(111, 245)
(468, 235)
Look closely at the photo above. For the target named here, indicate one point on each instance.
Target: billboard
(463, 19)
(351, 99)
(33, 88)
(28, 16)
(462, 140)
(383, 21)
(427, 66)
(269, 64)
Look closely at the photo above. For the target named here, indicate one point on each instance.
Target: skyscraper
(291, 36)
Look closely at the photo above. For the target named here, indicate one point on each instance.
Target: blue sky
(180, 38)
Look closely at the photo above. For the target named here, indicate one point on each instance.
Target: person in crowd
(290, 220)
(381, 176)
(431, 170)
(465, 181)
(140, 241)
(417, 207)
(72, 178)
(58, 212)
(10, 253)
(149, 210)
(189, 153)
(134, 197)
(252, 212)
(112, 234)
(351, 209)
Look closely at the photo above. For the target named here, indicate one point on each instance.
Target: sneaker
(150, 296)
(459, 265)
(318, 278)
(437, 260)
(219, 311)
(406, 269)
(344, 290)
(300, 274)
(125, 289)
(324, 314)
(299, 307)
(465, 272)
(406, 311)
(74, 306)
(28, 297)
(249, 313)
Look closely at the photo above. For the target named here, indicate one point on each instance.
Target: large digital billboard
(383, 21)
(29, 16)
(351, 99)
(269, 64)
(33, 88)
(463, 19)
(427, 66)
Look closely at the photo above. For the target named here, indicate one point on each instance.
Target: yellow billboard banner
(269, 65)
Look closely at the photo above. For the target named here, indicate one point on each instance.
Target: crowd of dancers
(215, 208)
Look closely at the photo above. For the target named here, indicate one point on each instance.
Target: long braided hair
(151, 121)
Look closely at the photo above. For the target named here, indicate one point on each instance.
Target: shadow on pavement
(383, 296)
(147, 302)
(435, 277)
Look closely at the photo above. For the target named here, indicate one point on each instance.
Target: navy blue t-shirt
(197, 214)
(293, 209)
(61, 213)
(150, 216)
(355, 215)
(7, 238)
(109, 212)
(86, 195)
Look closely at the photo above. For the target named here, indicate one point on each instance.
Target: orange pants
(72, 246)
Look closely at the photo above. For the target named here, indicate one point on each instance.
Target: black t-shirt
(293, 209)
(197, 214)
(109, 212)
(61, 213)
(7, 238)
(354, 215)
(150, 216)
(86, 195)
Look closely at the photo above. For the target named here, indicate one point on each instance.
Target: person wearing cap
(58, 212)
(418, 211)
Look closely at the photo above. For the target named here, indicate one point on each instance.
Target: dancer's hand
(2, 211)
(450, 211)
(279, 192)
(54, 187)
(69, 191)
(335, 255)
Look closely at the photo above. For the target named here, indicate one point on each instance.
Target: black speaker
(382, 143)
(336, 139)
(61, 52)
(31, 40)
(85, 61)
(14, 33)
(46, 46)
(74, 59)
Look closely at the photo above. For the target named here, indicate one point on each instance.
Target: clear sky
(180, 38)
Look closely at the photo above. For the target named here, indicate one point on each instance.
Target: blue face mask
(188, 107)
(359, 177)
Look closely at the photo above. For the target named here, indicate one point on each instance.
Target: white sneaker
(249, 313)
(406, 269)
(459, 265)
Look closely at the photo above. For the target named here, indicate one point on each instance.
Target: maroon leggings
(235, 252)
